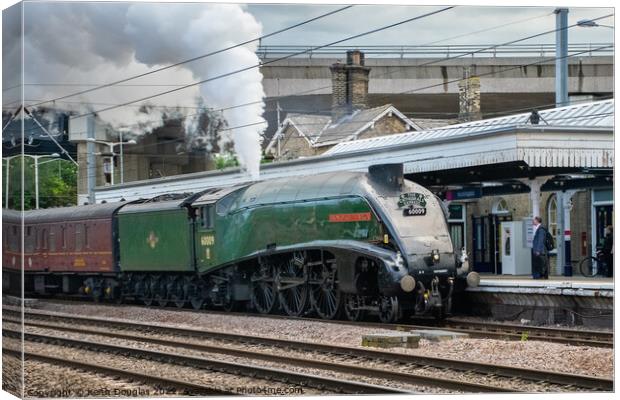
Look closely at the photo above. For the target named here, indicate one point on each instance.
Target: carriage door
(206, 235)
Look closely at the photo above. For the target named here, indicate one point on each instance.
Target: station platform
(558, 300)
(557, 285)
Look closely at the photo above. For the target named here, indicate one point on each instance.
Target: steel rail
(235, 368)
(475, 329)
(372, 372)
(560, 378)
(560, 335)
(188, 388)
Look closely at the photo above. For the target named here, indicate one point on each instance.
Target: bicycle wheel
(587, 266)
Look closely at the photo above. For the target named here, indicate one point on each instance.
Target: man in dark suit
(540, 268)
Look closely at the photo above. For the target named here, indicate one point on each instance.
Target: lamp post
(111, 146)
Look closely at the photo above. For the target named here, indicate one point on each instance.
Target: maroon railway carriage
(62, 246)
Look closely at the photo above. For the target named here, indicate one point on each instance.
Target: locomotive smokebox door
(390, 175)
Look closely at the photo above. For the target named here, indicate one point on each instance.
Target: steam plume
(102, 42)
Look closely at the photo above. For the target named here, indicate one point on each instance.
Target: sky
(459, 21)
(63, 38)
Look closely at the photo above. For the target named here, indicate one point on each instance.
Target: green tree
(57, 183)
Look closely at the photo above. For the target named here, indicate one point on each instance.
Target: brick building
(304, 135)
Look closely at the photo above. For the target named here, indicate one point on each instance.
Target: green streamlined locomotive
(347, 242)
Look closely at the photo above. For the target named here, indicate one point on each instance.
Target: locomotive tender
(347, 242)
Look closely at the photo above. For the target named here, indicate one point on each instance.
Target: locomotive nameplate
(352, 217)
(414, 199)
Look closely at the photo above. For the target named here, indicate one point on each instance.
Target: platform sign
(464, 194)
(528, 232)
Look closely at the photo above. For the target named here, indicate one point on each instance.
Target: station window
(501, 207)
(208, 216)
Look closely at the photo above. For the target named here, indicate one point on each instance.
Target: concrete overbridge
(427, 87)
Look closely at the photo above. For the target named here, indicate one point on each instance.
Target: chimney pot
(469, 97)
(355, 57)
(349, 85)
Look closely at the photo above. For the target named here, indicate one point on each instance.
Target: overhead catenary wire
(483, 49)
(234, 72)
(408, 91)
(336, 42)
(460, 79)
(200, 57)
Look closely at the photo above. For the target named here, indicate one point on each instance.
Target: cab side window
(208, 216)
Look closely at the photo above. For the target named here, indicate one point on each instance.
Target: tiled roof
(596, 114)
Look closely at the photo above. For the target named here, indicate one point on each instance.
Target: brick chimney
(469, 97)
(349, 85)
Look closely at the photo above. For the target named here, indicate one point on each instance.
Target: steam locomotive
(345, 242)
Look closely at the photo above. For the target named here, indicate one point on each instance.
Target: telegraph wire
(263, 63)
(485, 74)
(340, 41)
(199, 57)
(389, 73)
(409, 91)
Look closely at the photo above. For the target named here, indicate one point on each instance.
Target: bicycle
(591, 266)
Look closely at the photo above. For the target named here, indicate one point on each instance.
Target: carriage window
(86, 241)
(14, 240)
(79, 239)
(52, 239)
(63, 236)
(208, 216)
(44, 238)
(29, 240)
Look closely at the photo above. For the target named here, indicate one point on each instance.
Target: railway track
(386, 365)
(491, 330)
(258, 373)
(519, 332)
(167, 384)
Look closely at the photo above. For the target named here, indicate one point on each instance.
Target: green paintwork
(245, 231)
(155, 241)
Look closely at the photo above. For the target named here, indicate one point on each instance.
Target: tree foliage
(57, 183)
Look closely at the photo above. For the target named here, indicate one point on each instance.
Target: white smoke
(103, 42)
